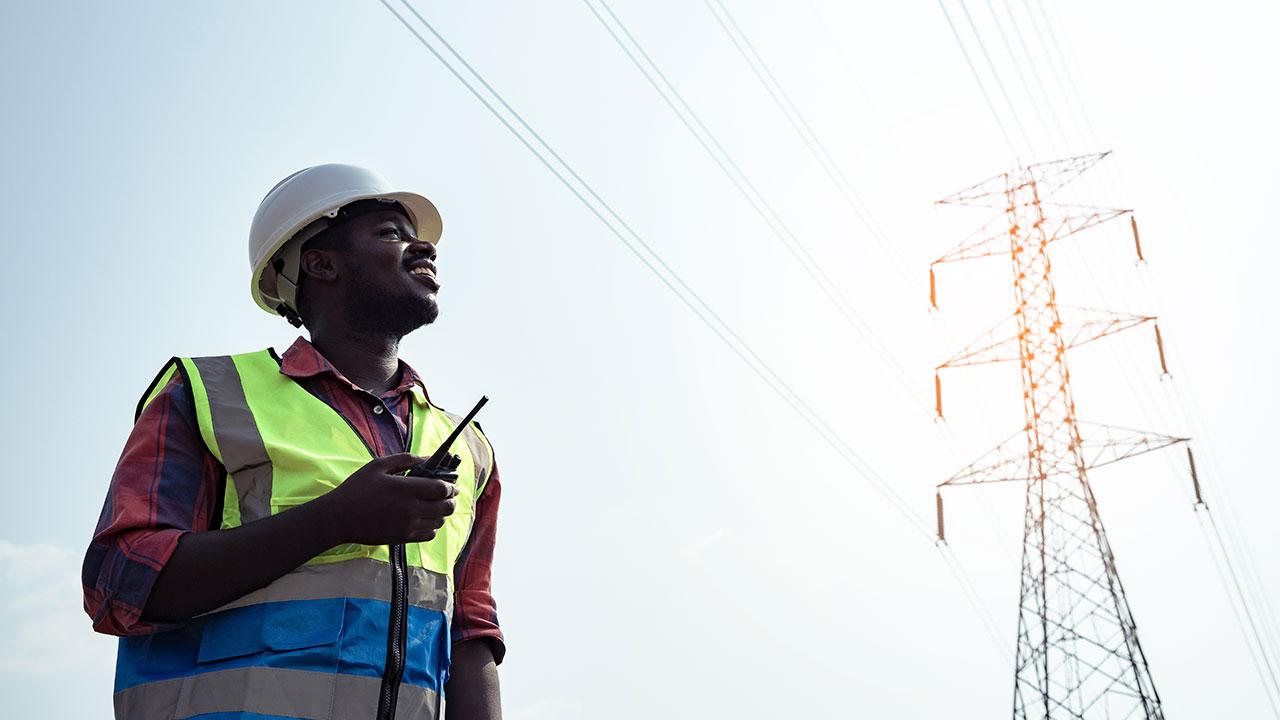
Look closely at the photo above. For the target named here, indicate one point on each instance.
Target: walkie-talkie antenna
(438, 456)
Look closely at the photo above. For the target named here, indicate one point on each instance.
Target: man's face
(388, 275)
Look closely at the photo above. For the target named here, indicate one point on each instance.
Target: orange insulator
(942, 533)
(937, 392)
(1195, 479)
(1164, 368)
(1137, 244)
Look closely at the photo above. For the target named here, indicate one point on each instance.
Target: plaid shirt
(167, 483)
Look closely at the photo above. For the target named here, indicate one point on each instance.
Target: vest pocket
(272, 627)
(275, 658)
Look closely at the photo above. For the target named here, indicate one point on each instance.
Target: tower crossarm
(1079, 326)
(1102, 445)
(1106, 444)
(1082, 325)
(1049, 177)
(988, 193)
(1006, 462)
(990, 239)
(1063, 220)
(996, 236)
(1052, 176)
(1099, 445)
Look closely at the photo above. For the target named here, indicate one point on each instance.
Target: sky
(672, 534)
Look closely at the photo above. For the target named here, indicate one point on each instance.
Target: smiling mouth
(426, 276)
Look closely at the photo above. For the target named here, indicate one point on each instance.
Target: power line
(1026, 51)
(801, 125)
(981, 86)
(563, 172)
(1253, 627)
(995, 74)
(651, 259)
(764, 74)
(689, 118)
(1022, 78)
(983, 405)
(813, 142)
(659, 81)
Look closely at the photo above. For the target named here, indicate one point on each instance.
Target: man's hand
(378, 505)
(374, 506)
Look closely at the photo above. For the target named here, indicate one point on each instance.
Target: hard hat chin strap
(288, 267)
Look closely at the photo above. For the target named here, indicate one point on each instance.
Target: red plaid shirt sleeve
(475, 613)
(166, 484)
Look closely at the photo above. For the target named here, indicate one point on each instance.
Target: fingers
(397, 463)
(431, 518)
(432, 488)
(437, 511)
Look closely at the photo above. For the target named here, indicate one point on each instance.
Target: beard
(391, 311)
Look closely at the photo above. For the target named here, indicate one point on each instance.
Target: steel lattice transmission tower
(1078, 654)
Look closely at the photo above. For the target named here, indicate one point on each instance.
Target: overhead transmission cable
(661, 83)
(533, 141)
(804, 130)
(813, 142)
(982, 403)
(801, 125)
(982, 87)
(743, 184)
(995, 74)
(747, 49)
(1026, 51)
(1022, 76)
(515, 123)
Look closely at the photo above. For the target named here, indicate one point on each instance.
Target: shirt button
(377, 410)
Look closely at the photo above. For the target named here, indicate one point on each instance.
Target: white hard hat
(299, 207)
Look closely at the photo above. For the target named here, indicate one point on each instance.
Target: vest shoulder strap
(158, 383)
(225, 419)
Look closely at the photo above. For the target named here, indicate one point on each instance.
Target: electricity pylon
(1078, 654)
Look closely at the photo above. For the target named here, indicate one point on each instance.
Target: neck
(368, 359)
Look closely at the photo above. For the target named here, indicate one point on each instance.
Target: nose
(422, 248)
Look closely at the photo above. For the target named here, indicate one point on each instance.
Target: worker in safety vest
(261, 552)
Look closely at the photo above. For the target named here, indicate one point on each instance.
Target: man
(261, 551)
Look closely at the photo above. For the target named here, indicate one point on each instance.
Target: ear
(319, 264)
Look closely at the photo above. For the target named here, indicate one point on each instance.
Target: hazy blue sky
(674, 541)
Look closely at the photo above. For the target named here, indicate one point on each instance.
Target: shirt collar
(303, 360)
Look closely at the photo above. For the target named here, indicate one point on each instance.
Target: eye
(390, 234)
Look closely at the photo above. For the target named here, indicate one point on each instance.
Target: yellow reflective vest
(319, 642)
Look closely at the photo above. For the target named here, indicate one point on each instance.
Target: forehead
(379, 217)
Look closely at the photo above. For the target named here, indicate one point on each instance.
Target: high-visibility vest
(314, 643)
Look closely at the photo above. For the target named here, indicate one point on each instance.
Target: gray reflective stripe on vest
(243, 453)
(363, 578)
(479, 452)
(269, 691)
